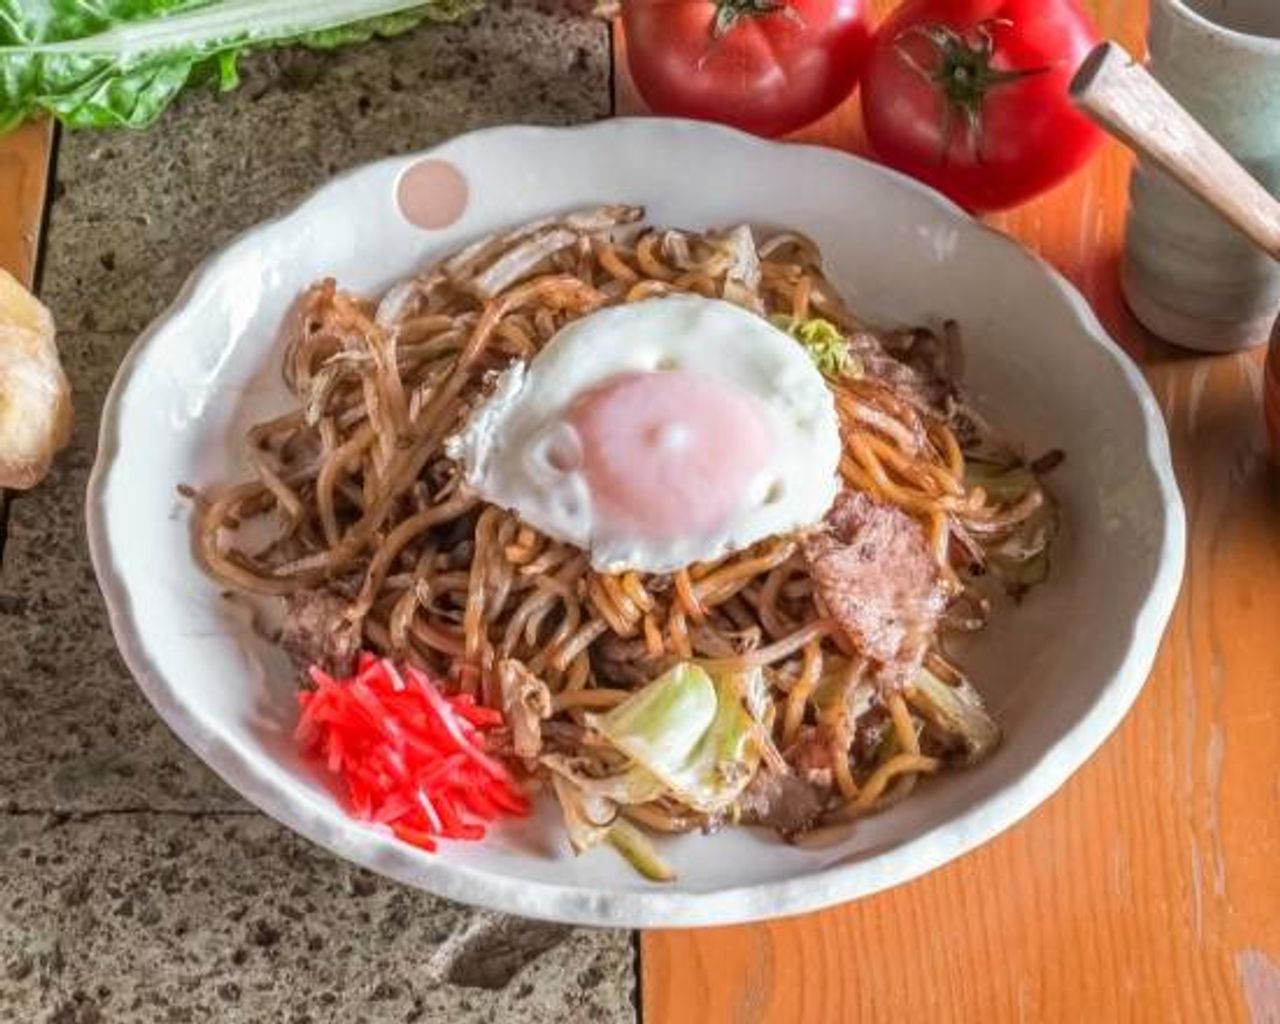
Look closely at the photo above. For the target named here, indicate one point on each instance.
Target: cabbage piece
(591, 817)
(691, 732)
(640, 853)
(587, 819)
(634, 786)
(751, 688)
(827, 347)
(957, 711)
(834, 687)
(742, 275)
(112, 63)
(1002, 473)
(1021, 560)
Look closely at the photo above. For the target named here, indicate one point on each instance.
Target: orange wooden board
(24, 176)
(1149, 887)
(24, 170)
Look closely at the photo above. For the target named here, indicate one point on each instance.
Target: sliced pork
(875, 573)
(317, 631)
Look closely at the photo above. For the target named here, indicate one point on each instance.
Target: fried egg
(659, 433)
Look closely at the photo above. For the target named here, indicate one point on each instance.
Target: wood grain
(1149, 887)
(24, 173)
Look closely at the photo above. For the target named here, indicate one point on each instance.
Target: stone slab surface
(134, 885)
(145, 918)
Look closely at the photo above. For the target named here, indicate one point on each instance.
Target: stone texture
(75, 732)
(134, 885)
(133, 213)
(147, 918)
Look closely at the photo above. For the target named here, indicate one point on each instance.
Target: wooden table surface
(1149, 887)
(25, 155)
(24, 166)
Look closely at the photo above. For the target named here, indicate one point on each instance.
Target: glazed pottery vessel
(1189, 276)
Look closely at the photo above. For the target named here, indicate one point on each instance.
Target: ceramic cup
(1188, 275)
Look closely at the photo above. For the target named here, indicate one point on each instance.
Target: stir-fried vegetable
(640, 853)
(592, 818)
(1021, 558)
(1002, 473)
(587, 817)
(691, 732)
(633, 786)
(526, 701)
(689, 737)
(742, 272)
(120, 62)
(956, 711)
(833, 695)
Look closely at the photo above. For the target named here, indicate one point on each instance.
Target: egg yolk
(670, 453)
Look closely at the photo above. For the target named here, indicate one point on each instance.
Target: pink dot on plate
(431, 194)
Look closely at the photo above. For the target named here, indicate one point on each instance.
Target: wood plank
(24, 174)
(1148, 888)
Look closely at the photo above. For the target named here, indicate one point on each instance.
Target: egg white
(511, 448)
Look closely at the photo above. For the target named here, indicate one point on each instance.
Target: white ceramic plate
(1059, 672)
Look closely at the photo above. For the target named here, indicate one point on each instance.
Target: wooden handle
(1122, 96)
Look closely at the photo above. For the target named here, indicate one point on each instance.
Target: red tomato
(971, 96)
(764, 65)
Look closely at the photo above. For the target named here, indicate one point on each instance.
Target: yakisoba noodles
(378, 543)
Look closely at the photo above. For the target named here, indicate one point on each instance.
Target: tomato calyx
(962, 73)
(730, 12)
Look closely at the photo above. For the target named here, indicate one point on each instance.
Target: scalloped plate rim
(657, 907)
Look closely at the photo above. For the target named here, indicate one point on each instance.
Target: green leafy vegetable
(104, 63)
(827, 347)
(691, 732)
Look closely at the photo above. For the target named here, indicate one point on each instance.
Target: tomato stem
(962, 73)
(730, 12)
